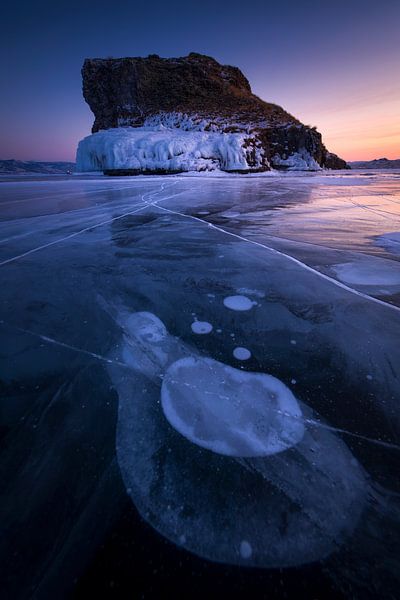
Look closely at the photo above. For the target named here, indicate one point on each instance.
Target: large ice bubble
(285, 509)
(229, 411)
(239, 303)
(368, 272)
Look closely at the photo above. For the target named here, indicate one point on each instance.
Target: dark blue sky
(335, 65)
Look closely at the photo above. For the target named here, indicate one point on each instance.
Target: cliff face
(196, 93)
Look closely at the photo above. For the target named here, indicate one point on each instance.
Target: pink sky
(356, 110)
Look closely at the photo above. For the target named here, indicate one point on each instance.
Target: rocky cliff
(192, 94)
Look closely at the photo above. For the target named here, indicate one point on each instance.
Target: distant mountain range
(377, 163)
(15, 167)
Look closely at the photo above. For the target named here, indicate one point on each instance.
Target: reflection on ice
(391, 241)
(272, 491)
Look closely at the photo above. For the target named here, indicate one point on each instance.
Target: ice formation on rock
(284, 509)
(298, 161)
(160, 148)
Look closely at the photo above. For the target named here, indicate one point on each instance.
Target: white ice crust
(231, 412)
(160, 147)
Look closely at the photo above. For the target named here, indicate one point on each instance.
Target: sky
(335, 65)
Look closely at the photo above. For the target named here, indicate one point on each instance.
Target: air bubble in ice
(239, 303)
(228, 411)
(245, 549)
(293, 507)
(241, 353)
(201, 327)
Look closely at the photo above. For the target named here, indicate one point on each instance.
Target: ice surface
(245, 549)
(176, 484)
(144, 331)
(256, 293)
(159, 147)
(144, 326)
(239, 303)
(86, 264)
(228, 411)
(390, 241)
(230, 214)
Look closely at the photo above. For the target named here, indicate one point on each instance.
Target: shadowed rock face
(196, 92)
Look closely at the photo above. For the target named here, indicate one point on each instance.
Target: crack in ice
(76, 233)
(66, 195)
(283, 254)
(105, 359)
(71, 213)
(380, 213)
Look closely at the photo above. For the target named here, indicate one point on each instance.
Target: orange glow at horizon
(357, 131)
(356, 111)
(362, 133)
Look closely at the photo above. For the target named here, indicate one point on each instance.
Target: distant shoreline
(377, 163)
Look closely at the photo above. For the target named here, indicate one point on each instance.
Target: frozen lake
(200, 375)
